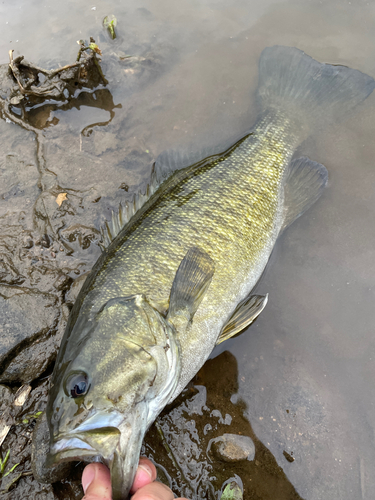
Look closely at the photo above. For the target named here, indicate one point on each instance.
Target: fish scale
(229, 196)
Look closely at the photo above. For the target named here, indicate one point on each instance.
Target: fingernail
(88, 478)
(146, 468)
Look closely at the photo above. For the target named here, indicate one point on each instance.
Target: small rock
(6, 397)
(233, 448)
(26, 317)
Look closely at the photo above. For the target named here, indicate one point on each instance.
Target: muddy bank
(53, 200)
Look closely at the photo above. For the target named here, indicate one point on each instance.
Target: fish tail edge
(293, 82)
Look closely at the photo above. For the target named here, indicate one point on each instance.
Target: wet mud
(49, 240)
(182, 442)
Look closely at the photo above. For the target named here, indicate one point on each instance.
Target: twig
(105, 81)
(16, 72)
(53, 72)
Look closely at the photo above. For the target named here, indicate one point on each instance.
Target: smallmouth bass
(177, 274)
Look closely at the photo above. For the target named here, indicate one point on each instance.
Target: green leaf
(3, 463)
(29, 417)
(232, 492)
(95, 48)
(11, 470)
(110, 22)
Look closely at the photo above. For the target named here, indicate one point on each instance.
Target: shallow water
(306, 367)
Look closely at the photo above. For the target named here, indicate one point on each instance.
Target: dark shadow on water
(42, 116)
(207, 409)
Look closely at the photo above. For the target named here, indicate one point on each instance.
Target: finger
(96, 482)
(146, 473)
(153, 491)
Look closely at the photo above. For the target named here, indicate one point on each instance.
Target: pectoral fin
(192, 279)
(246, 312)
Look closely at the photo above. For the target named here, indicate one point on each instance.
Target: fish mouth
(101, 442)
(114, 439)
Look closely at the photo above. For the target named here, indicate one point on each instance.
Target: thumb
(96, 482)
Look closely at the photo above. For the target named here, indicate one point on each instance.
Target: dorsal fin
(125, 212)
(164, 167)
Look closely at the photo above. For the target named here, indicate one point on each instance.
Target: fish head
(111, 380)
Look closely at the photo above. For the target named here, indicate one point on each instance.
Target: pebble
(233, 448)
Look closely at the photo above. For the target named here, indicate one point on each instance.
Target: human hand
(96, 483)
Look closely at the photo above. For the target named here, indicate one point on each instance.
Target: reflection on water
(51, 114)
(192, 84)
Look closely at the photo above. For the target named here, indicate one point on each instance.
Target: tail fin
(293, 82)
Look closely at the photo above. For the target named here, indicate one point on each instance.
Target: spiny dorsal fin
(171, 160)
(304, 184)
(246, 312)
(125, 212)
(164, 167)
(192, 279)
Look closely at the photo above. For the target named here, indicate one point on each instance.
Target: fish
(179, 267)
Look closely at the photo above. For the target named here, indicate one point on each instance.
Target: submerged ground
(300, 381)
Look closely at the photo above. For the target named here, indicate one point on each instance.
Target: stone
(6, 397)
(26, 317)
(233, 448)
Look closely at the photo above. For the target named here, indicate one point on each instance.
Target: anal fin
(246, 313)
(305, 182)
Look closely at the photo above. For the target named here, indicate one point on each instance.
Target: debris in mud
(60, 198)
(110, 23)
(35, 84)
(19, 483)
(288, 456)
(232, 491)
(11, 413)
(30, 95)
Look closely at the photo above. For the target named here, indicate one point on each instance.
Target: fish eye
(77, 385)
